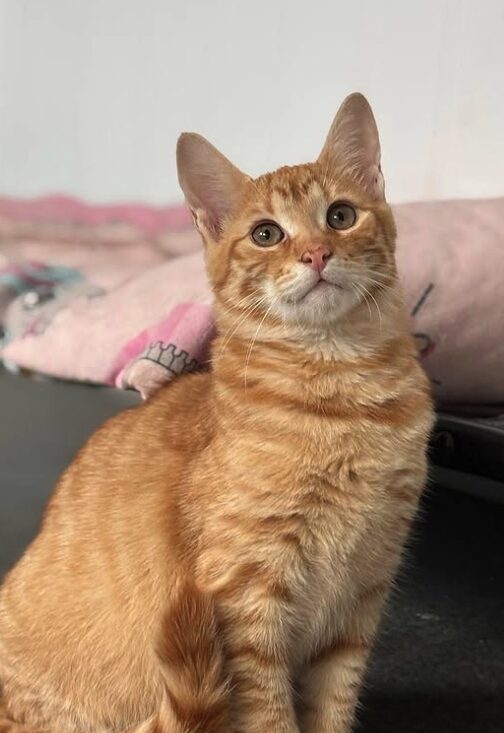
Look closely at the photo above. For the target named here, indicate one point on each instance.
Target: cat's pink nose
(316, 258)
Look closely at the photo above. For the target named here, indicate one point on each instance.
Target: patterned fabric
(118, 294)
(109, 294)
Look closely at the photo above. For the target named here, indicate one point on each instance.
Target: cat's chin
(321, 290)
(323, 305)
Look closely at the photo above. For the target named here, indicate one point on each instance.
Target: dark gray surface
(42, 426)
(439, 664)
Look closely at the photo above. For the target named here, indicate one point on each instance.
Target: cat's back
(121, 489)
(140, 444)
(105, 556)
(175, 418)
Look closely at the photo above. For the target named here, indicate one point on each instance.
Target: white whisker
(237, 323)
(362, 296)
(249, 352)
(369, 294)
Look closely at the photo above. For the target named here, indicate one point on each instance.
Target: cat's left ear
(353, 145)
(211, 183)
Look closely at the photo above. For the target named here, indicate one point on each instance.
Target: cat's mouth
(321, 286)
(314, 298)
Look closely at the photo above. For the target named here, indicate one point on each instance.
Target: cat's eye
(267, 234)
(341, 215)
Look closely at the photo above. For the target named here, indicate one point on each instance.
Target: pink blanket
(118, 294)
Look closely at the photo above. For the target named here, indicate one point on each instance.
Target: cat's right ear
(211, 184)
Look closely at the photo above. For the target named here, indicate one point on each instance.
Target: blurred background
(94, 94)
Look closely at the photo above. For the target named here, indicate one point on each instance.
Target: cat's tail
(9, 726)
(196, 692)
(5, 726)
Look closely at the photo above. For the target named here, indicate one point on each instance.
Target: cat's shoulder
(172, 416)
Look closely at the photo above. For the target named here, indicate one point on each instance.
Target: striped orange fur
(217, 558)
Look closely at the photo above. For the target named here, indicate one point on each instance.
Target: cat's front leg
(256, 630)
(331, 688)
(332, 679)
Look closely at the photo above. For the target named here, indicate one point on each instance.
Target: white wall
(93, 93)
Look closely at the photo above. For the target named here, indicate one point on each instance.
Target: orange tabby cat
(217, 559)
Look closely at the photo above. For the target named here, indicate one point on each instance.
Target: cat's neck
(251, 352)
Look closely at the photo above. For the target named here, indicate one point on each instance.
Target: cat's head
(306, 244)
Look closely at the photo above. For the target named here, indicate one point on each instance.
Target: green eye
(267, 234)
(341, 215)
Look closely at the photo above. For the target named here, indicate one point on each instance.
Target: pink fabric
(133, 277)
(451, 261)
(63, 210)
(118, 294)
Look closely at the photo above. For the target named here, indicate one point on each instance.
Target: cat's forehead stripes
(292, 196)
(293, 183)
